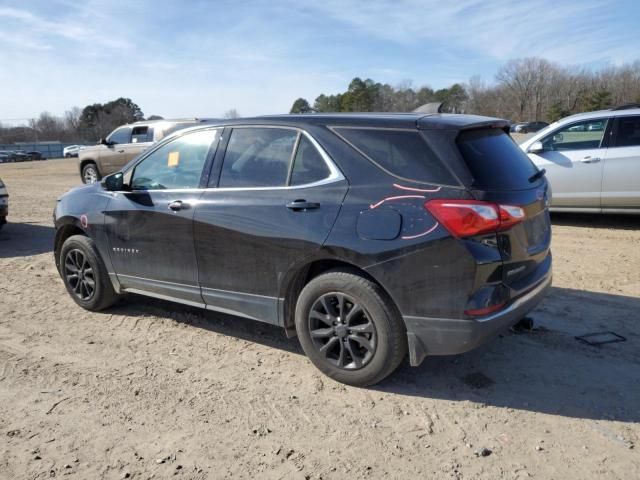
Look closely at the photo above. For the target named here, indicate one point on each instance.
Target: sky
(201, 58)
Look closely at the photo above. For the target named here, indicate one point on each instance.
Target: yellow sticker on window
(174, 159)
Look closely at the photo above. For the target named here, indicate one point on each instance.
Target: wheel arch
(68, 227)
(302, 275)
(85, 161)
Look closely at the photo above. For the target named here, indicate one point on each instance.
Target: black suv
(366, 235)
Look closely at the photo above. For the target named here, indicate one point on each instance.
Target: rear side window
(494, 160)
(258, 157)
(308, 165)
(139, 134)
(628, 132)
(402, 153)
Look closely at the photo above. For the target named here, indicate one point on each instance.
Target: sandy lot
(150, 389)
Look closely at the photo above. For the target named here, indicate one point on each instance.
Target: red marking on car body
(399, 197)
(84, 221)
(411, 237)
(433, 190)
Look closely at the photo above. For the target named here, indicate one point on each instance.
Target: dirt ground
(149, 389)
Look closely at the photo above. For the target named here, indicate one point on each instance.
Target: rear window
(495, 161)
(402, 153)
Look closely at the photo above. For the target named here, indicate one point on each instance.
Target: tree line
(524, 89)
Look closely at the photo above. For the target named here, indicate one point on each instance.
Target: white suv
(592, 160)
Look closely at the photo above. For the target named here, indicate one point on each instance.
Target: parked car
(17, 155)
(592, 160)
(5, 158)
(35, 155)
(366, 235)
(529, 127)
(71, 151)
(4, 204)
(123, 144)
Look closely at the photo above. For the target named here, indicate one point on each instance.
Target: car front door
(621, 176)
(276, 197)
(150, 226)
(573, 158)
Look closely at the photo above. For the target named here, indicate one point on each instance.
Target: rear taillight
(465, 218)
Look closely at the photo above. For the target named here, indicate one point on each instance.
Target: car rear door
(573, 158)
(621, 174)
(150, 226)
(276, 196)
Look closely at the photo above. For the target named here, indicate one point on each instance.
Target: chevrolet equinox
(366, 235)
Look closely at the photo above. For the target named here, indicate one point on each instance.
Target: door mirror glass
(114, 182)
(536, 147)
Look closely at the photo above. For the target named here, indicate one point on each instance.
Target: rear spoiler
(455, 121)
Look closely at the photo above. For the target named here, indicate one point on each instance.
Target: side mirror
(105, 142)
(536, 147)
(114, 182)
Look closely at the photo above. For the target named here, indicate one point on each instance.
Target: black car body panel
(245, 250)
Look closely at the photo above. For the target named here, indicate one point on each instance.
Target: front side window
(121, 135)
(258, 157)
(177, 164)
(628, 132)
(403, 153)
(583, 135)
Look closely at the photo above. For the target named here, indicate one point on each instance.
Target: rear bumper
(445, 336)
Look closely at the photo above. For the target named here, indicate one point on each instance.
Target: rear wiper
(539, 174)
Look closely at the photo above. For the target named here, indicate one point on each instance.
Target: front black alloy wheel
(79, 275)
(341, 331)
(349, 328)
(84, 274)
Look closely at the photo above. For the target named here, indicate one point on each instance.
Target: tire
(68, 155)
(368, 341)
(79, 253)
(90, 173)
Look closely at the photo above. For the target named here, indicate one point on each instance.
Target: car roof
(447, 121)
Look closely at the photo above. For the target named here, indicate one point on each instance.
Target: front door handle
(302, 205)
(590, 159)
(177, 205)
(120, 151)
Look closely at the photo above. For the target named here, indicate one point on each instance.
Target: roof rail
(627, 106)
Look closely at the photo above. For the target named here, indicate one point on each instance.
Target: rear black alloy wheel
(79, 275)
(349, 328)
(341, 331)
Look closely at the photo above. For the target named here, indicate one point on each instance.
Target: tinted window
(121, 135)
(628, 132)
(402, 153)
(139, 134)
(308, 165)
(178, 164)
(577, 136)
(258, 157)
(494, 160)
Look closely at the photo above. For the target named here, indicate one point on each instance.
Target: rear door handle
(590, 159)
(177, 205)
(301, 205)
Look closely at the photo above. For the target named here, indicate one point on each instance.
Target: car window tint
(139, 134)
(258, 157)
(494, 160)
(628, 132)
(308, 165)
(577, 136)
(121, 135)
(177, 164)
(402, 153)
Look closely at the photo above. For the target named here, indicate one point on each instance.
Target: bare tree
(233, 113)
